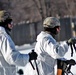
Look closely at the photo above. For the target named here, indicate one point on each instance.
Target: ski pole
(32, 65)
(36, 65)
(31, 62)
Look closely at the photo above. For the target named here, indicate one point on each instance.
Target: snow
(26, 48)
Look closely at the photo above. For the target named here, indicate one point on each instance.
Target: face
(10, 25)
(57, 29)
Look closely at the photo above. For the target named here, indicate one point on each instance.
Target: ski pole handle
(31, 62)
(36, 65)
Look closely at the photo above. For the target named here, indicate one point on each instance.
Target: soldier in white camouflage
(10, 57)
(48, 49)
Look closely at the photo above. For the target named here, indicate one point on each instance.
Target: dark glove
(71, 41)
(71, 62)
(20, 72)
(32, 56)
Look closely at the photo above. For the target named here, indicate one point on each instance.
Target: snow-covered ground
(26, 48)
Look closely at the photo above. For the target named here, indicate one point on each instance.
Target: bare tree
(39, 5)
(35, 10)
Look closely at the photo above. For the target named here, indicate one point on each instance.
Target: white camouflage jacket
(9, 56)
(48, 51)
